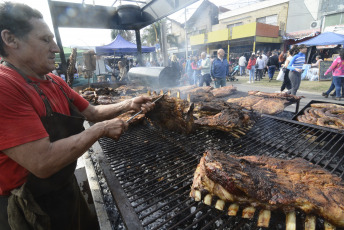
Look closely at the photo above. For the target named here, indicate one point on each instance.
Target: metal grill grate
(155, 170)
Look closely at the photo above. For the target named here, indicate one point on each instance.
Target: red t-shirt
(20, 110)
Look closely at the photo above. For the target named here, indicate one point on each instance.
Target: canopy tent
(120, 46)
(327, 38)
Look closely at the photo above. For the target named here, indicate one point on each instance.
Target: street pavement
(308, 96)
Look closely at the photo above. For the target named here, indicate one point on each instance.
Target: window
(202, 31)
(271, 20)
(234, 25)
(230, 26)
(334, 19)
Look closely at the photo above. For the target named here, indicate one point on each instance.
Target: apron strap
(49, 110)
(72, 107)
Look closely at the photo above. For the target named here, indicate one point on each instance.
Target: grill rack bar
(313, 143)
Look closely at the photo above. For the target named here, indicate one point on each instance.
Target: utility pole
(186, 39)
(163, 42)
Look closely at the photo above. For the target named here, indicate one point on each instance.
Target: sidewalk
(309, 96)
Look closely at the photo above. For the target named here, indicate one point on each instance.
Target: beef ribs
(285, 96)
(230, 118)
(272, 184)
(269, 106)
(261, 104)
(173, 114)
(223, 91)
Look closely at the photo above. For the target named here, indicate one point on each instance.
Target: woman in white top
(286, 81)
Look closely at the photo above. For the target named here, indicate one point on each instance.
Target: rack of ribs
(285, 96)
(260, 104)
(224, 91)
(173, 114)
(270, 184)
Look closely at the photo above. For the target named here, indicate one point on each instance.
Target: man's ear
(9, 39)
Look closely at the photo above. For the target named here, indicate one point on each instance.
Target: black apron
(59, 195)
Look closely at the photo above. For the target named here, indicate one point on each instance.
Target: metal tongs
(141, 109)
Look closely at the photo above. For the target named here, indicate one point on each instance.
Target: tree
(126, 34)
(151, 34)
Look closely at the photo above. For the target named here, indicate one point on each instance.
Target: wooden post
(139, 47)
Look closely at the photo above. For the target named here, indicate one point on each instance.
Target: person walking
(42, 133)
(205, 70)
(260, 67)
(272, 65)
(266, 59)
(252, 66)
(286, 84)
(220, 69)
(242, 64)
(295, 69)
(194, 67)
(337, 69)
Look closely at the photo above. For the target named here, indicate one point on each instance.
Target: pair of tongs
(141, 109)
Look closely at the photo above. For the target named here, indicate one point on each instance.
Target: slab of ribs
(260, 104)
(266, 183)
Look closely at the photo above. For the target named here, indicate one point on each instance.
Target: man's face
(203, 56)
(37, 48)
(303, 50)
(221, 53)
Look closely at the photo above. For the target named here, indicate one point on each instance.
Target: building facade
(248, 29)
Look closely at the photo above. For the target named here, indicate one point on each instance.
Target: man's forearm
(106, 112)
(46, 158)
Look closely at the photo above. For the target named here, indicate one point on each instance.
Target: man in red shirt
(41, 128)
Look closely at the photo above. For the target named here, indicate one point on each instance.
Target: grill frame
(133, 220)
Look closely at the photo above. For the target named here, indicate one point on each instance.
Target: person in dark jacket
(220, 69)
(272, 65)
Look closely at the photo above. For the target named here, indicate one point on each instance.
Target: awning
(324, 39)
(299, 35)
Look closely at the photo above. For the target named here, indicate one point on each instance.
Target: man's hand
(298, 70)
(114, 128)
(142, 102)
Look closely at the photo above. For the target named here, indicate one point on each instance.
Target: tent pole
(59, 42)
(139, 47)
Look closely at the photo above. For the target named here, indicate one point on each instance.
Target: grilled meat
(228, 119)
(209, 108)
(223, 91)
(131, 89)
(106, 91)
(260, 104)
(246, 102)
(285, 96)
(271, 184)
(269, 106)
(202, 96)
(324, 114)
(125, 116)
(173, 113)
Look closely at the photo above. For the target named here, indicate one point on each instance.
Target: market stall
(325, 39)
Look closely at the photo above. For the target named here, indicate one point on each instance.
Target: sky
(72, 37)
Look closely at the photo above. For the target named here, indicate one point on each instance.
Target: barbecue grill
(150, 171)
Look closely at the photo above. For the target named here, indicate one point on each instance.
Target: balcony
(263, 33)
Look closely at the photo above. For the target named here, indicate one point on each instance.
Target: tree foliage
(126, 34)
(151, 34)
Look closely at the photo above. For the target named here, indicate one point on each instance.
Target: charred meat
(285, 96)
(223, 91)
(261, 104)
(173, 114)
(271, 184)
(230, 118)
